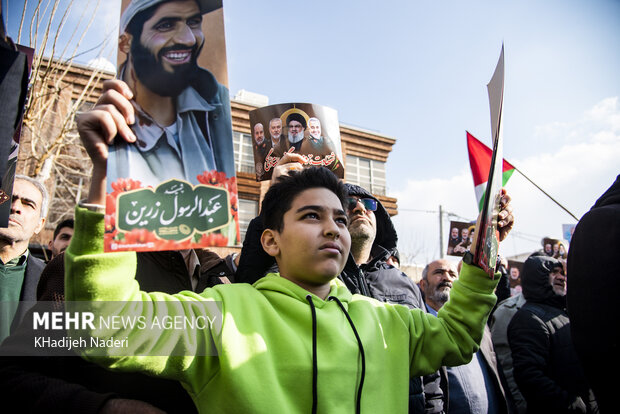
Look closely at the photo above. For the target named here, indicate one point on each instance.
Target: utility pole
(441, 251)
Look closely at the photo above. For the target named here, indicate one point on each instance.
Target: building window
(367, 173)
(248, 209)
(244, 154)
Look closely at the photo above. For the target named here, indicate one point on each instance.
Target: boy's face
(313, 245)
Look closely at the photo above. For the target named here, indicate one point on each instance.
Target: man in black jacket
(595, 280)
(373, 240)
(546, 367)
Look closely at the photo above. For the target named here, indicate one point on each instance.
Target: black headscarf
(535, 281)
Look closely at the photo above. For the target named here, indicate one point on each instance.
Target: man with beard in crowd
(474, 387)
(369, 272)
(182, 124)
(296, 126)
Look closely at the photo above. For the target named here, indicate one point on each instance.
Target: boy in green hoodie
(296, 341)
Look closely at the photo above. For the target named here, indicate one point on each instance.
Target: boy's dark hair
(65, 223)
(280, 196)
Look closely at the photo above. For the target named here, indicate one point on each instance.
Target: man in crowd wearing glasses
(369, 272)
(373, 238)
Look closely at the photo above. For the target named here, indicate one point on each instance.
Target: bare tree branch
(58, 90)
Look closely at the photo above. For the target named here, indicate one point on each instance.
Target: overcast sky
(417, 71)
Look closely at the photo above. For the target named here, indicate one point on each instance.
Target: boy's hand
(505, 219)
(98, 127)
(111, 116)
(290, 161)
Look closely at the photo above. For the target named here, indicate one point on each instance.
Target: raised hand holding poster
(307, 129)
(175, 187)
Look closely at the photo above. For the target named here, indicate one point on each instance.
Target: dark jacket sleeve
(254, 261)
(593, 253)
(529, 340)
(503, 288)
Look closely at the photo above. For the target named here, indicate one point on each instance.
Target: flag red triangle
(480, 160)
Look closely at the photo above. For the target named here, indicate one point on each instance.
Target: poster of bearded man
(310, 130)
(175, 187)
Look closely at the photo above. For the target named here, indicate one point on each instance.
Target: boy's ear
(269, 240)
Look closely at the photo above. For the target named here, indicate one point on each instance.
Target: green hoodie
(266, 361)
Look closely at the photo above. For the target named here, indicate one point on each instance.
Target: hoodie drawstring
(361, 348)
(314, 356)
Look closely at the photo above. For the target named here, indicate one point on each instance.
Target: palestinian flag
(480, 162)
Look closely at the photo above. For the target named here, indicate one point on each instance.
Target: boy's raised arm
(451, 338)
(91, 275)
(98, 128)
(454, 336)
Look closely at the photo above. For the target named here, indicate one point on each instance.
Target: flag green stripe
(506, 176)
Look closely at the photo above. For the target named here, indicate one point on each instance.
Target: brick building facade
(67, 171)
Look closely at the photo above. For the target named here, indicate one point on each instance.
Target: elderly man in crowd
(20, 269)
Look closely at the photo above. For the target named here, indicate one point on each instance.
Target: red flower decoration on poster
(141, 239)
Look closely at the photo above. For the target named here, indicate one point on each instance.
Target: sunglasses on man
(368, 203)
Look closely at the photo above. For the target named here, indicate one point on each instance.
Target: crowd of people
(315, 243)
(316, 315)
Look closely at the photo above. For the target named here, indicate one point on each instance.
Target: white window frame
(376, 182)
(248, 209)
(244, 160)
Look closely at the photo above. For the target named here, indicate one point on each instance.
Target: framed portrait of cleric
(307, 129)
(514, 276)
(175, 187)
(460, 237)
